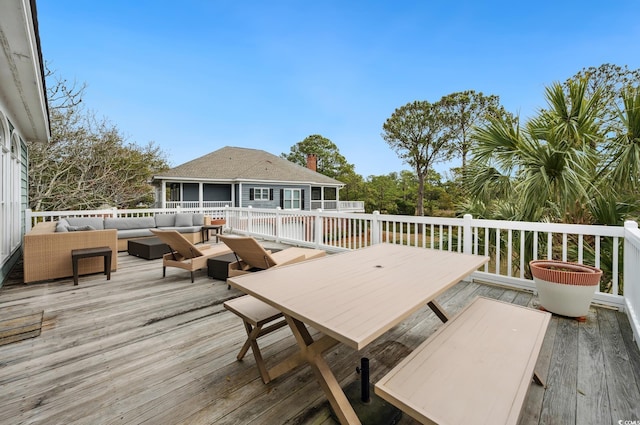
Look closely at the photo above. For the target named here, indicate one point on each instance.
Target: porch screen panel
(190, 192)
(216, 192)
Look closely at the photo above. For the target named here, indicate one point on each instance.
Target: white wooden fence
(509, 244)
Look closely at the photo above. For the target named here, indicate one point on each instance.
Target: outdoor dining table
(353, 298)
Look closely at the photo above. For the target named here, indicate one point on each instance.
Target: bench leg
(164, 271)
(538, 380)
(252, 334)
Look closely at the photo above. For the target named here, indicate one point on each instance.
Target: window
(291, 199)
(261, 194)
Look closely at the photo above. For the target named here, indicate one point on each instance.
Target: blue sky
(195, 75)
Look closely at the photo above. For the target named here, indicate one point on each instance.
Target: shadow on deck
(143, 349)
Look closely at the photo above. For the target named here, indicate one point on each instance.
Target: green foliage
(577, 161)
(546, 166)
(416, 131)
(329, 160)
(462, 111)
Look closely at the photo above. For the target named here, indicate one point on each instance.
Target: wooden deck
(143, 349)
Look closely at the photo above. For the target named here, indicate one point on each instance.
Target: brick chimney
(312, 162)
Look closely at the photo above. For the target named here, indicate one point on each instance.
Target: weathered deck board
(143, 349)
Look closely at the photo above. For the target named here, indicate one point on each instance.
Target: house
(24, 116)
(242, 177)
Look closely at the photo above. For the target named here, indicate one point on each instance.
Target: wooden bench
(101, 251)
(477, 368)
(255, 314)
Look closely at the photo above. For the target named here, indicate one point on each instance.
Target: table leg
(311, 352)
(439, 311)
(75, 270)
(107, 266)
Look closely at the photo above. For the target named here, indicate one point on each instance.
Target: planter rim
(579, 274)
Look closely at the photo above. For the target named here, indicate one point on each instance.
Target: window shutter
(282, 198)
(302, 199)
(271, 194)
(251, 194)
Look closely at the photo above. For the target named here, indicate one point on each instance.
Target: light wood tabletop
(353, 298)
(357, 296)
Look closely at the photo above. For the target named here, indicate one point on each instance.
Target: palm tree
(563, 165)
(623, 150)
(550, 163)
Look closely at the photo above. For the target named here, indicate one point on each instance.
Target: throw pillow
(184, 220)
(62, 225)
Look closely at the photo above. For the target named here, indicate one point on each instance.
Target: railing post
(467, 235)
(278, 229)
(629, 266)
(28, 220)
(375, 228)
(319, 227)
(631, 279)
(249, 220)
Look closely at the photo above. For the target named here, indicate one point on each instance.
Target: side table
(207, 227)
(101, 251)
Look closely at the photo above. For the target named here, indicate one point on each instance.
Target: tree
(382, 193)
(465, 110)
(329, 160)
(354, 186)
(87, 163)
(623, 150)
(610, 80)
(416, 132)
(550, 162)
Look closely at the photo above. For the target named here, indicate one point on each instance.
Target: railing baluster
(522, 248)
(498, 252)
(509, 252)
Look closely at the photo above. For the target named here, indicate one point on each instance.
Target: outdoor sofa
(128, 228)
(47, 247)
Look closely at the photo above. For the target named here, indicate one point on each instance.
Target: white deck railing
(509, 244)
(197, 204)
(632, 276)
(342, 206)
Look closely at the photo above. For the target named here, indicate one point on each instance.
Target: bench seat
(477, 368)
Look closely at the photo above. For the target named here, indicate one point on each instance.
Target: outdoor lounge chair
(251, 256)
(254, 313)
(184, 254)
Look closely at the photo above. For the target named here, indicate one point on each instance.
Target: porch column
(201, 194)
(163, 194)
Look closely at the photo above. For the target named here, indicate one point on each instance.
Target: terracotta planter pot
(565, 288)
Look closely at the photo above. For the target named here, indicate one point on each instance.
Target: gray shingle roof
(233, 163)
